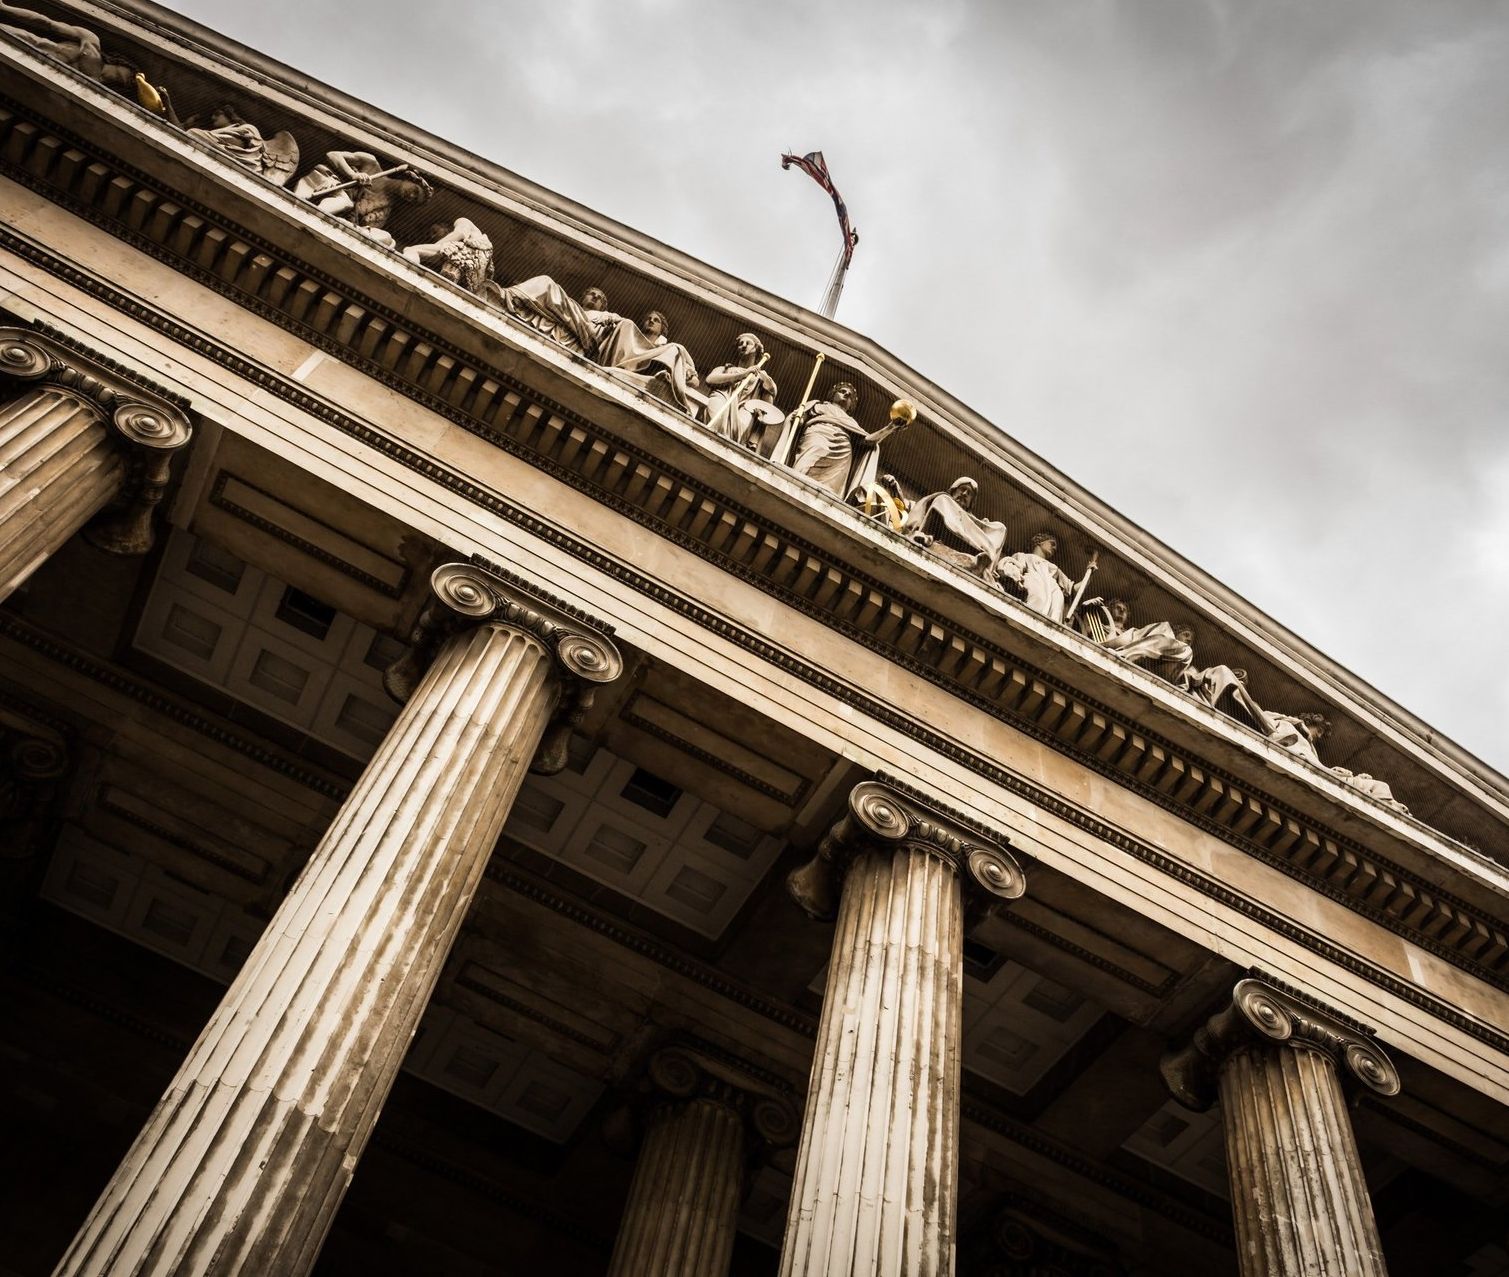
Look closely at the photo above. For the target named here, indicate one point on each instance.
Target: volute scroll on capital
(884, 812)
(464, 595)
(687, 1071)
(140, 416)
(1264, 1011)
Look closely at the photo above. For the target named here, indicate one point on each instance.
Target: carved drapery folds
(363, 188)
(707, 1115)
(877, 1172)
(81, 439)
(1277, 1062)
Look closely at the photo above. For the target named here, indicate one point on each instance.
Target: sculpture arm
(726, 375)
(353, 166)
(40, 23)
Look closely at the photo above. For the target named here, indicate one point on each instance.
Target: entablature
(755, 521)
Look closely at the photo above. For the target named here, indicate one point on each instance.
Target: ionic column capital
(143, 416)
(684, 1071)
(142, 419)
(887, 814)
(1264, 1013)
(466, 595)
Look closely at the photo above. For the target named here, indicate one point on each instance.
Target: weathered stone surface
(260, 1132)
(877, 1171)
(1298, 1195)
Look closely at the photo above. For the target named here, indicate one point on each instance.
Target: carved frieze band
(1264, 1014)
(633, 484)
(884, 814)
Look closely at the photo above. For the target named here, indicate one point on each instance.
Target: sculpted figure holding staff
(1042, 584)
(742, 393)
(823, 443)
(355, 187)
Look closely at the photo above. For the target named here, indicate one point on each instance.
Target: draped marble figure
(548, 308)
(1043, 585)
(645, 354)
(945, 524)
(1155, 644)
(741, 394)
(274, 158)
(824, 444)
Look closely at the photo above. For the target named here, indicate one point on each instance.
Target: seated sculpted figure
(741, 395)
(1225, 689)
(1040, 582)
(825, 445)
(945, 524)
(645, 354)
(546, 307)
(1299, 733)
(74, 46)
(355, 187)
(463, 254)
(274, 158)
(1155, 645)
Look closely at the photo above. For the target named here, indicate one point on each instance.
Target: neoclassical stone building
(493, 785)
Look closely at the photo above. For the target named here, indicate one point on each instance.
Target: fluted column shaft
(875, 1183)
(683, 1205)
(59, 467)
(242, 1164)
(1298, 1196)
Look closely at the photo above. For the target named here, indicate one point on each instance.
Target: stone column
(242, 1165)
(683, 1205)
(877, 1170)
(1298, 1195)
(78, 440)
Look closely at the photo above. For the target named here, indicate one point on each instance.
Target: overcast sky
(1241, 269)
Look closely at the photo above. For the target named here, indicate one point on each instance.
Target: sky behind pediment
(1240, 269)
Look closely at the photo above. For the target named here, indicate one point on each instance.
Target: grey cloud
(1241, 269)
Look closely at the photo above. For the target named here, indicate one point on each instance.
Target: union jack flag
(815, 167)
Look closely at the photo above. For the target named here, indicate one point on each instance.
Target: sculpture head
(120, 75)
(844, 394)
(1184, 633)
(1120, 612)
(963, 491)
(594, 299)
(1044, 544)
(654, 325)
(748, 347)
(412, 187)
(1317, 726)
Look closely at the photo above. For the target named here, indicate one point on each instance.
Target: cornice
(211, 52)
(879, 710)
(1035, 704)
